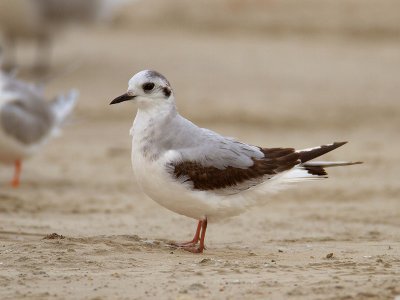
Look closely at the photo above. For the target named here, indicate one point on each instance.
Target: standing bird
(27, 121)
(198, 173)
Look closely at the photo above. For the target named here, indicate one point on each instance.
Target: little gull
(200, 174)
(27, 120)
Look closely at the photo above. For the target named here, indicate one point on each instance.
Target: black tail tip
(338, 144)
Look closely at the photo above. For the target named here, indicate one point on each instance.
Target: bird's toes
(193, 249)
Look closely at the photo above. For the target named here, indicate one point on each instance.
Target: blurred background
(253, 61)
(292, 73)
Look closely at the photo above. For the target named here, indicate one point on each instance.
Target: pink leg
(15, 181)
(195, 238)
(200, 235)
(201, 247)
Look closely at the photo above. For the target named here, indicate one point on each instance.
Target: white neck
(152, 115)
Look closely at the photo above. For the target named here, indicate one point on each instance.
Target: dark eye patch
(148, 86)
(167, 92)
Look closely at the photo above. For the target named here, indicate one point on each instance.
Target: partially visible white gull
(27, 120)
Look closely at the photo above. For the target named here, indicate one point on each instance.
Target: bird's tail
(308, 169)
(318, 167)
(62, 106)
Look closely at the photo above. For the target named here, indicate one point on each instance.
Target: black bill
(122, 98)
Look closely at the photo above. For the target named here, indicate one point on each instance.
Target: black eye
(148, 86)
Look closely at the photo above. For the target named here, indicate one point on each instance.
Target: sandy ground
(333, 239)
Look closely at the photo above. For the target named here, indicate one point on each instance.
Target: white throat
(150, 115)
(147, 130)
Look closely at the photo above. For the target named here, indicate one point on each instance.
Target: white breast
(11, 149)
(158, 184)
(150, 165)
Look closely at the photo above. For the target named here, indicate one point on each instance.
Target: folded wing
(204, 176)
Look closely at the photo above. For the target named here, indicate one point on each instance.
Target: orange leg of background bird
(17, 173)
(195, 238)
(201, 247)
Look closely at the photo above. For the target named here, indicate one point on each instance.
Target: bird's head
(148, 89)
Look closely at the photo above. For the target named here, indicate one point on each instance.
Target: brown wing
(275, 160)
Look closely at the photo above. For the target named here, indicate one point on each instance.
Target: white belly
(11, 150)
(161, 186)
